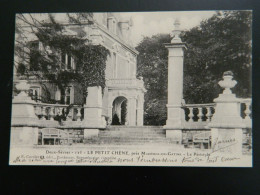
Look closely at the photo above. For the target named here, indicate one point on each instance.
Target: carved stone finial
(227, 83)
(23, 87)
(177, 24)
(176, 32)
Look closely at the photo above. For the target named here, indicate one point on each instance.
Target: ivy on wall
(45, 62)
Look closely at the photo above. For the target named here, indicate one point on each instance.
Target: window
(35, 48)
(112, 25)
(67, 61)
(67, 95)
(34, 93)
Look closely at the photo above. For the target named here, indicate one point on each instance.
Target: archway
(119, 111)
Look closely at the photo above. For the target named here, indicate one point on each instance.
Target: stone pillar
(140, 112)
(110, 114)
(24, 129)
(226, 124)
(131, 111)
(175, 86)
(93, 112)
(24, 136)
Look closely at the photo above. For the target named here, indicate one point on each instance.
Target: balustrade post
(24, 119)
(70, 115)
(37, 111)
(200, 114)
(93, 113)
(247, 110)
(78, 116)
(209, 114)
(52, 113)
(226, 124)
(93, 108)
(191, 115)
(44, 113)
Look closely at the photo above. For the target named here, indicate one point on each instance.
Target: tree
(152, 66)
(218, 44)
(46, 62)
(221, 43)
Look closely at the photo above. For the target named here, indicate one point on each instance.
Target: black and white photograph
(164, 88)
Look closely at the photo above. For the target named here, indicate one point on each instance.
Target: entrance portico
(127, 105)
(119, 111)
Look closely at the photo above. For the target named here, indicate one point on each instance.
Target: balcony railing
(59, 112)
(198, 115)
(199, 112)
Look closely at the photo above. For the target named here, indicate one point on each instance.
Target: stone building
(124, 93)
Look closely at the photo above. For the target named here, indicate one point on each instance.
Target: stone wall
(76, 135)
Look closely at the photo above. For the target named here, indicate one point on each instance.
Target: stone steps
(134, 138)
(127, 132)
(125, 135)
(121, 141)
(133, 134)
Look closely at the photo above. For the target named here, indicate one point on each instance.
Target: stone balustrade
(202, 113)
(198, 112)
(246, 112)
(55, 111)
(197, 116)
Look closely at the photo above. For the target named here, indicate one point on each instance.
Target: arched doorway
(119, 111)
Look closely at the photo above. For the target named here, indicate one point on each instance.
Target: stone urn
(23, 87)
(227, 83)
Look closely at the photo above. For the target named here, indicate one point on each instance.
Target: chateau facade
(124, 93)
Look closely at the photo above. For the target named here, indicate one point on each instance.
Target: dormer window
(112, 24)
(67, 61)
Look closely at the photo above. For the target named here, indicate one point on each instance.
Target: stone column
(140, 112)
(226, 124)
(93, 112)
(126, 114)
(110, 114)
(131, 113)
(24, 129)
(175, 86)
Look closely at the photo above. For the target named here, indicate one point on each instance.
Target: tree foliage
(46, 64)
(152, 65)
(218, 44)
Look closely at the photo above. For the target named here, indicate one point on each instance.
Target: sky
(151, 23)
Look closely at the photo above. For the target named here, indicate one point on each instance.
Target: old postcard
(133, 89)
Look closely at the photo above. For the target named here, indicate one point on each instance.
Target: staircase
(131, 135)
